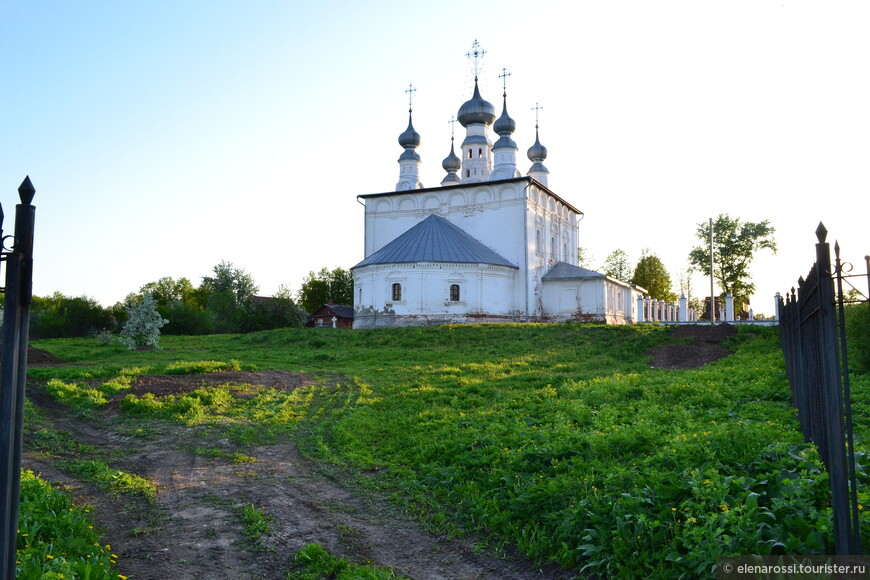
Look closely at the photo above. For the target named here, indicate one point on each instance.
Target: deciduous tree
(616, 265)
(651, 274)
(229, 293)
(318, 289)
(735, 244)
(584, 258)
(142, 328)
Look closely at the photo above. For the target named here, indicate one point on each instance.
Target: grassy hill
(558, 440)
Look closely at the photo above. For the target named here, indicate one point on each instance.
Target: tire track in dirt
(194, 529)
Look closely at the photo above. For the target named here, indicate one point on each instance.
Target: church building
(488, 245)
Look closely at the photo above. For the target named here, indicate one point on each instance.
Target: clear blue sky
(164, 137)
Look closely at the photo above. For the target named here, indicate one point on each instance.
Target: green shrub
(858, 336)
(59, 316)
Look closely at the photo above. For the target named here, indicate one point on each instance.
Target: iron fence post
(847, 398)
(833, 398)
(13, 372)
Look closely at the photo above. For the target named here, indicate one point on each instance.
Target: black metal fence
(13, 368)
(817, 367)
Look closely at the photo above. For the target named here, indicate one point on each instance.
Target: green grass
(315, 563)
(56, 538)
(258, 524)
(557, 439)
(110, 479)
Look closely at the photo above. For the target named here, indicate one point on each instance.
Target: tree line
(735, 244)
(225, 301)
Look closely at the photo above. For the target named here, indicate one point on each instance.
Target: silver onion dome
(476, 110)
(537, 152)
(409, 139)
(504, 126)
(451, 162)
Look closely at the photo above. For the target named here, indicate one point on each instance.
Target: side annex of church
(488, 245)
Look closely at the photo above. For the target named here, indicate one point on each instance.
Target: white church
(488, 245)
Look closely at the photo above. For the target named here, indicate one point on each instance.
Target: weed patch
(316, 563)
(113, 480)
(56, 538)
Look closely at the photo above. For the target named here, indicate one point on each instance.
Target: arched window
(454, 292)
(397, 292)
(480, 153)
(469, 153)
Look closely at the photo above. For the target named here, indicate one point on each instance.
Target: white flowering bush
(143, 325)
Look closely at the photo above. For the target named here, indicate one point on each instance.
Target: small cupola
(409, 160)
(537, 154)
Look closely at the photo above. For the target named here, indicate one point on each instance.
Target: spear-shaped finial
(26, 191)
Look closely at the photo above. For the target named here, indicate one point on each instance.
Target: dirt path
(194, 529)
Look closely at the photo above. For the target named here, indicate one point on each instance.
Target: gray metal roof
(435, 239)
(565, 271)
(339, 310)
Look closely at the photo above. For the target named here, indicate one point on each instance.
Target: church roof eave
(526, 178)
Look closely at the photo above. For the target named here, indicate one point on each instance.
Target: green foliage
(318, 289)
(556, 439)
(182, 305)
(78, 395)
(58, 316)
(257, 523)
(858, 336)
(584, 258)
(316, 563)
(616, 265)
(186, 318)
(735, 244)
(110, 479)
(56, 538)
(278, 311)
(650, 274)
(166, 291)
(201, 367)
(230, 293)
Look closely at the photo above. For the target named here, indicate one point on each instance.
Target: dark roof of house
(435, 239)
(337, 310)
(565, 271)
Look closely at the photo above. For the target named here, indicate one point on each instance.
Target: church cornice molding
(529, 181)
(397, 270)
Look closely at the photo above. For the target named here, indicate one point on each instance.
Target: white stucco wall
(599, 299)
(521, 221)
(484, 290)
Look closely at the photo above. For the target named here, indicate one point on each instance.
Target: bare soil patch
(701, 346)
(194, 529)
(161, 385)
(40, 358)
